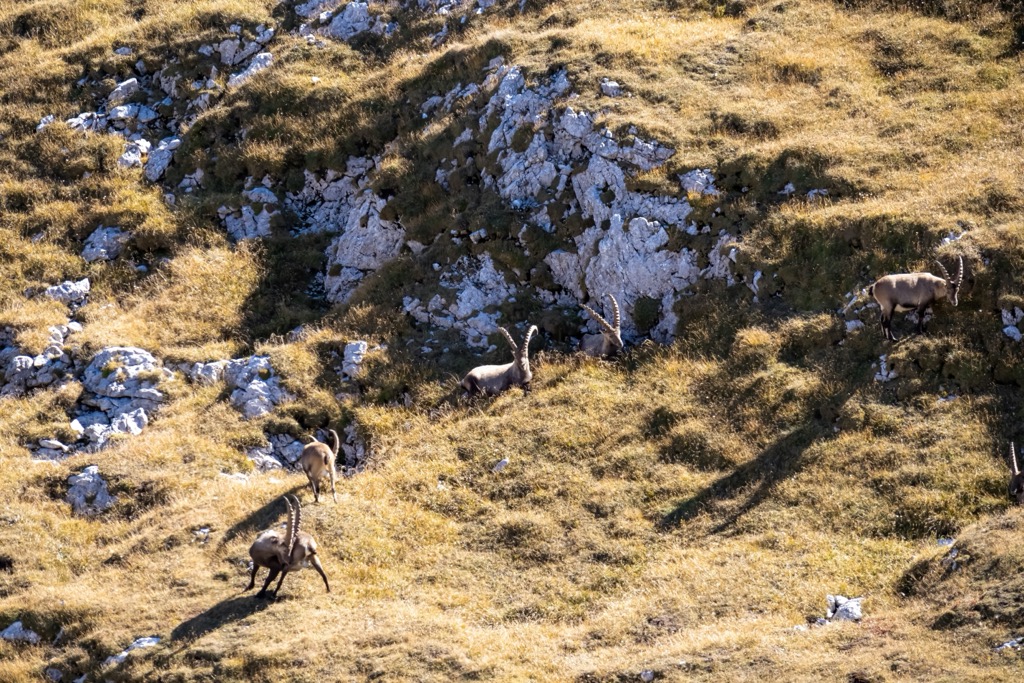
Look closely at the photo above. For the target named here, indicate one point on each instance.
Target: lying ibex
(317, 460)
(1016, 478)
(607, 343)
(281, 554)
(918, 291)
(494, 379)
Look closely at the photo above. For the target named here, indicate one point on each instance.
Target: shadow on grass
(272, 512)
(219, 615)
(781, 460)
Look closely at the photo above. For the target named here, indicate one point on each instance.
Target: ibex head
(1016, 478)
(610, 340)
(953, 284)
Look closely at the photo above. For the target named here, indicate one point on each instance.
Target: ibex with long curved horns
(292, 551)
(1016, 488)
(317, 460)
(607, 343)
(918, 291)
(494, 379)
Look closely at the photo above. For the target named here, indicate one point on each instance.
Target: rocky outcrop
(88, 494)
(22, 373)
(256, 389)
(476, 288)
(104, 244)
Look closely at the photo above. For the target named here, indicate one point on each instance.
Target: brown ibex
(494, 379)
(1016, 488)
(317, 460)
(607, 343)
(293, 550)
(907, 291)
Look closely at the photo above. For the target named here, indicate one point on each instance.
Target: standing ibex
(918, 291)
(494, 379)
(607, 343)
(318, 459)
(1016, 478)
(281, 554)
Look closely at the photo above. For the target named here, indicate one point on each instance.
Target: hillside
(229, 225)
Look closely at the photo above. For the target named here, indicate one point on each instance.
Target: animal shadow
(217, 616)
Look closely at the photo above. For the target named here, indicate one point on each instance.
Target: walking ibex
(918, 291)
(607, 343)
(494, 379)
(317, 460)
(281, 554)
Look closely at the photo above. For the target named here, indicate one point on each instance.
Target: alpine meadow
(662, 340)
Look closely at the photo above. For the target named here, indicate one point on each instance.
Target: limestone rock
(160, 158)
(610, 88)
(257, 390)
(122, 92)
(16, 633)
(88, 494)
(69, 292)
(139, 643)
(366, 243)
(843, 609)
(104, 244)
(260, 62)
(354, 354)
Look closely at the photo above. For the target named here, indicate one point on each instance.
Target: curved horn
(616, 318)
(1013, 460)
(508, 338)
(945, 275)
(289, 535)
(525, 351)
(297, 515)
(600, 321)
(959, 272)
(337, 442)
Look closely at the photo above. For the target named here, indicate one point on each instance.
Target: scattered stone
(355, 352)
(45, 121)
(104, 244)
(160, 158)
(16, 633)
(500, 465)
(610, 88)
(122, 92)
(885, 373)
(140, 643)
(88, 494)
(69, 292)
(54, 675)
(260, 62)
(843, 609)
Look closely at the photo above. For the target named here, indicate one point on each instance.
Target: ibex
(281, 554)
(918, 291)
(494, 379)
(609, 342)
(1016, 478)
(317, 460)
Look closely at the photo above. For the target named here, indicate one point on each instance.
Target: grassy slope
(680, 510)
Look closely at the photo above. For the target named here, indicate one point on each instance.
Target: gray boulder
(104, 244)
(88, 494)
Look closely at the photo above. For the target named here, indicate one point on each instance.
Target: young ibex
(494, 379)
(317, 460)
(281, 554)
(918, 291)
(1016, 478)
(609, 342)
